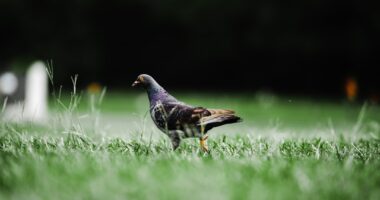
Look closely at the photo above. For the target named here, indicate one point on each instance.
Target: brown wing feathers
(221, 111)
(204, 114)
(209, 118)
(217, 117)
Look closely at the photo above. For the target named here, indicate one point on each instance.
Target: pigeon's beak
(137, 82)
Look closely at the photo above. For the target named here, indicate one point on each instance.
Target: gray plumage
(177, 119)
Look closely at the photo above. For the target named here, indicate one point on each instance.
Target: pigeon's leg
(203, 138)
(202, 130)
(203, 142)
(175, 139)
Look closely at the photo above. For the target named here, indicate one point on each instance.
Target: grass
(285, 149)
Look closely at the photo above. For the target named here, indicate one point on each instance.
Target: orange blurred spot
(94, 88)
(351, 89)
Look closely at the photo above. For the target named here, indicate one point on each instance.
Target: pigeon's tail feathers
(216, 120)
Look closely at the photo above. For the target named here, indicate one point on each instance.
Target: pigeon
(179, 120)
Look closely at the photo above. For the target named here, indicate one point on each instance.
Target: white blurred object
(36, 90)
(34, 105)
(8, 83)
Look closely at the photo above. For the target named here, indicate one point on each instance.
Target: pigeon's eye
(141, 79)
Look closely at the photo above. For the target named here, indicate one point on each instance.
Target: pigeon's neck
(156, 94)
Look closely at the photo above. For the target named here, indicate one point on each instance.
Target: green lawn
(287, 148)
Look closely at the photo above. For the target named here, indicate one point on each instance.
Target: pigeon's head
(144, 80)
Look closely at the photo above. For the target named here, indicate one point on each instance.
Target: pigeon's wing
(180, 115)
(172, 115)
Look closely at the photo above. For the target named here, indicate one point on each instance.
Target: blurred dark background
(299, 47)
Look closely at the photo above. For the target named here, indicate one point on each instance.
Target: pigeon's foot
(203, 142)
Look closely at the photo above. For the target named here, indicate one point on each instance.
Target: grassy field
(286, 148)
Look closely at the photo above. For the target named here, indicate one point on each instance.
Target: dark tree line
(296, 47)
